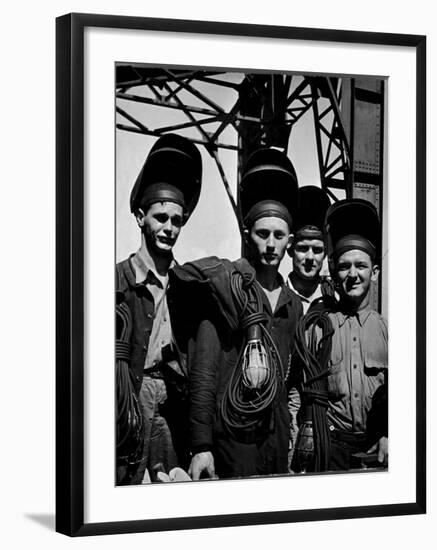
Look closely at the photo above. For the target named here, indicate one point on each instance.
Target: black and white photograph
(218, 302)
(240, 257)
(251, 284)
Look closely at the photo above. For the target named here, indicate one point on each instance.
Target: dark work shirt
(161, 333)
(140, 300)
(211, 365)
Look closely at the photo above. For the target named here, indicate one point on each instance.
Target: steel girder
(261, 109)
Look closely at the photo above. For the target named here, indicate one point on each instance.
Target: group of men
(210, 376)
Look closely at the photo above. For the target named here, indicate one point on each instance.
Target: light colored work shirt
(358, 366)
(161, 334)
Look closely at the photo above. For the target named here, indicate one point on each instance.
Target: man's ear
(332, 267)
(246, 237)
(140, 216)
(290, 241)
(375, 273)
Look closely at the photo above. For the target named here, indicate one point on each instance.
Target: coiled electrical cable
(129, 418)
(243, 407)
(313, 346)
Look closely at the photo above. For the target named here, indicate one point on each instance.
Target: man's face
(354, 272)
(308, 256)
(269, 239)
(161, 225)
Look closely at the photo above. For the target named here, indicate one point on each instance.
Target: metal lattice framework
(335, 159)
(260, 110)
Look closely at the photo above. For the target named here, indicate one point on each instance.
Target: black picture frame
(70, 237)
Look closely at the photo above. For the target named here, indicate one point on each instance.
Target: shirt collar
(316, 294)
(286, 295)
(144, 270)
(362, 315)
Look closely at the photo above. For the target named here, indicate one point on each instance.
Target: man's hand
(382, 447)
(202, 462)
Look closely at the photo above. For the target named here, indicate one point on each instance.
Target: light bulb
(255, 362)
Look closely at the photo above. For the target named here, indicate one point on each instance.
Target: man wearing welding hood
(150, 370)
(308, 250)
(239, 419)
(308, 253)
(344, 353)
(357, 382)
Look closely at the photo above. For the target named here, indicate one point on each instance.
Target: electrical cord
(243, 407)
(129, 418)
(314, 352)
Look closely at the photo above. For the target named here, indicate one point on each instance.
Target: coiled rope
(314, 352)
(242, 408)
(129, 419)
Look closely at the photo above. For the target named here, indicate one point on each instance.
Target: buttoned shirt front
(358, 366)
(161, 333)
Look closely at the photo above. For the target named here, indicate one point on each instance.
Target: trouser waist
(354, 438)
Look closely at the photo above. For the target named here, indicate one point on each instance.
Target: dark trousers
(263, 452)
(343, 446)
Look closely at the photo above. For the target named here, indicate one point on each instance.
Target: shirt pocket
(373, 365)
(337, 377)
(375, 370)
(374, 351)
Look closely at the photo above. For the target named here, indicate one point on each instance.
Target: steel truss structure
(261, 110)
